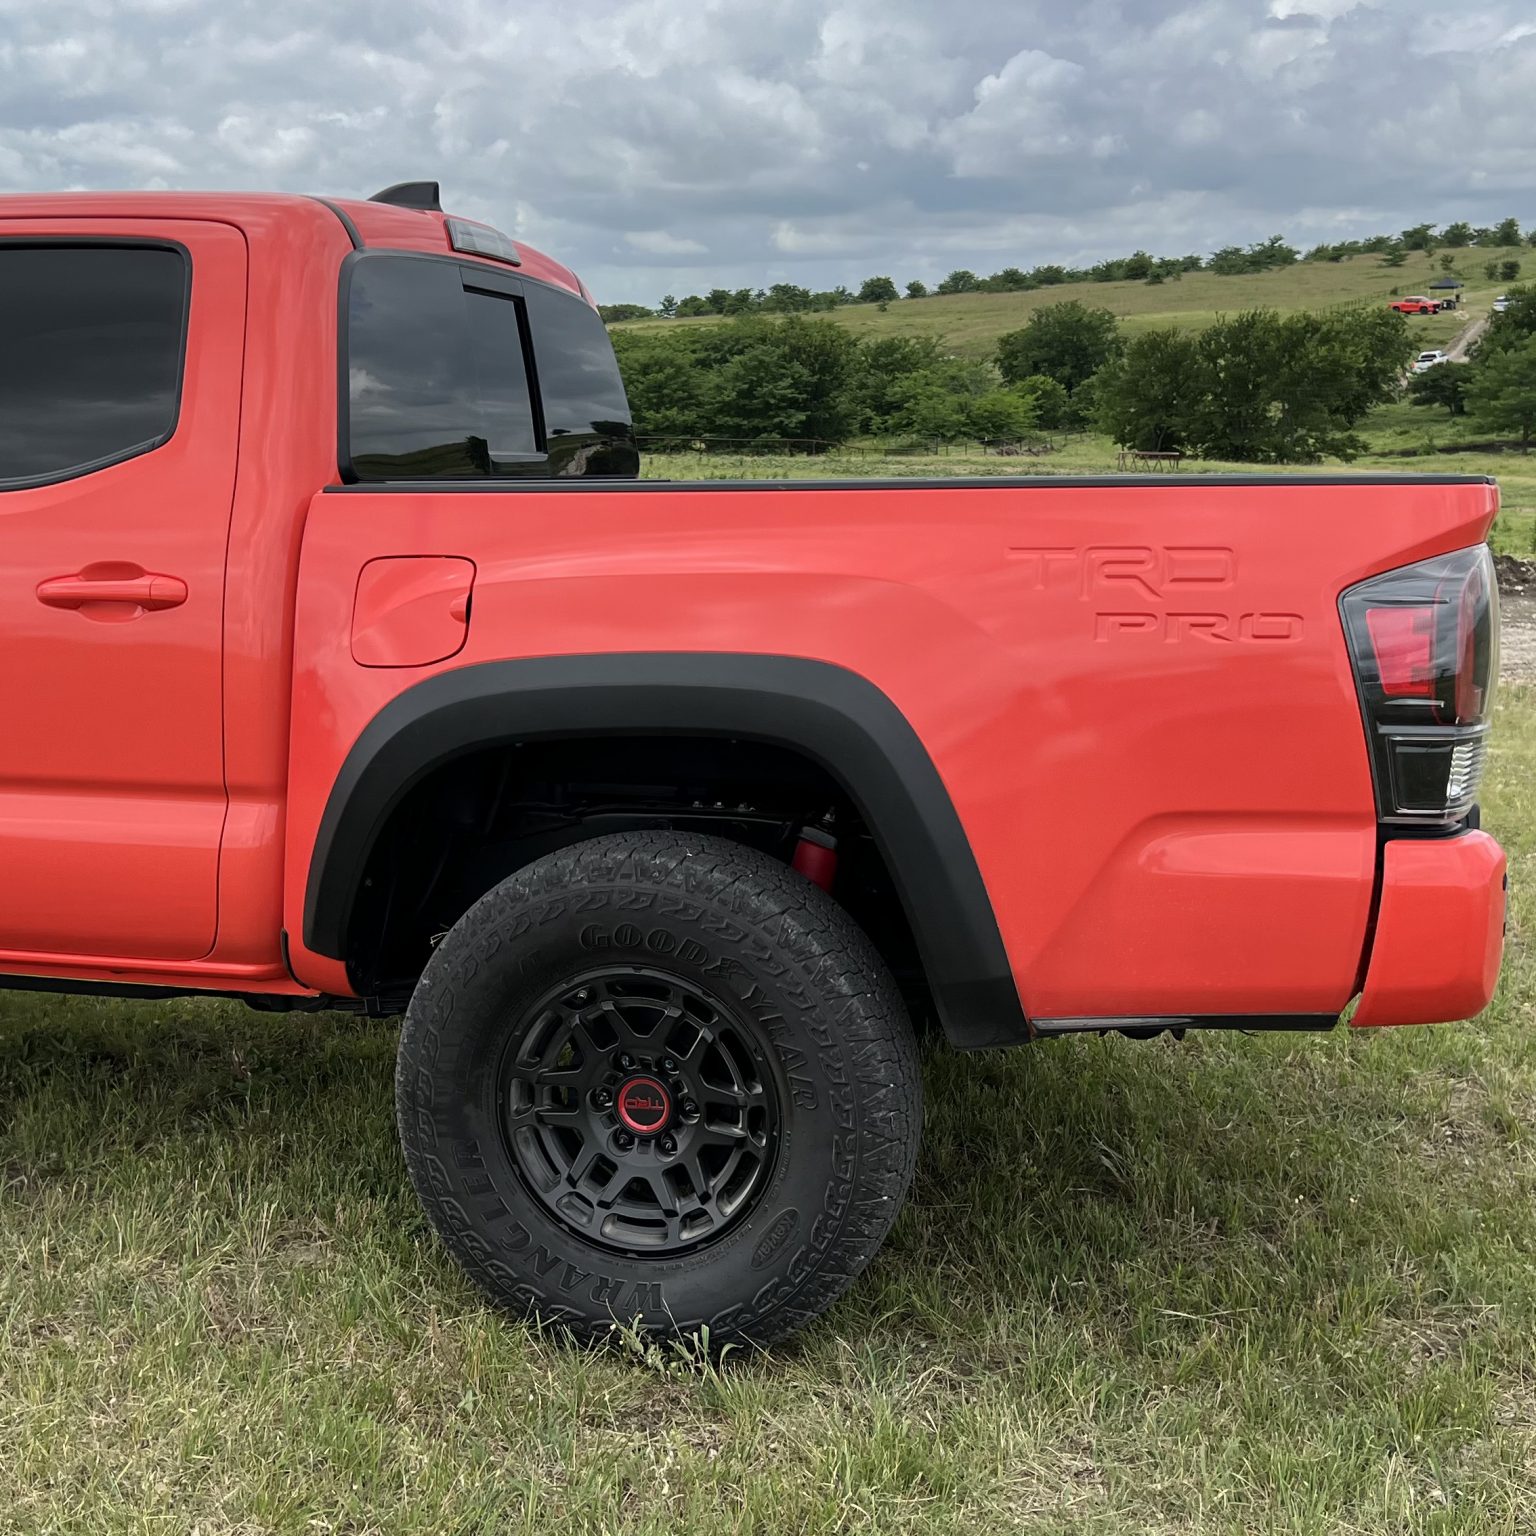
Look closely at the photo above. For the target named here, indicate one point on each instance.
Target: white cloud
(661, 145)
(658, 242)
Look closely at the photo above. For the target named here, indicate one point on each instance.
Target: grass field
(969, 324)
(1401, 439)
(1283, 1284)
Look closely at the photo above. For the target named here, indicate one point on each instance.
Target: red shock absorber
(816, 856)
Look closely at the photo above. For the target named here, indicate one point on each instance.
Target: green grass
(969, 324)
(1402, 439)
(1284, 1284)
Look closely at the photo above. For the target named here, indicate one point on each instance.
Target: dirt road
(1517, 639)
(1458, 349)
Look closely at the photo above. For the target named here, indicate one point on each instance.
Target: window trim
(495, 281)
(150, 445)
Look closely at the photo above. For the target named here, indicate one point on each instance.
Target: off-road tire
(780, 957)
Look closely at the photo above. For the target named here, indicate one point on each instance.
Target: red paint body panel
(411, 610)
(1439, 932)
(1167, 810)
(1138, 697)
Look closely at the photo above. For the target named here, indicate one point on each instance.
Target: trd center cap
(643, 1104)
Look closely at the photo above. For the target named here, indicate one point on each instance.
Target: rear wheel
(659, 1078)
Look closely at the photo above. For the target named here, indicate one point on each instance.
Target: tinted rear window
(91, 342)
(437, 380)
(579, 381)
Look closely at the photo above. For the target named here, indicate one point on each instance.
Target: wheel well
(475, 819)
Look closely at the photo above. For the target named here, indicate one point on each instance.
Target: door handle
(116, 583)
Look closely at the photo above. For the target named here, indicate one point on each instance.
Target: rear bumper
(1439, 931)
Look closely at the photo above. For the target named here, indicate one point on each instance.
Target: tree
(1507, 232)
(780, 378)
(1511, 327)
(960, 281)
(1002, 416)
(1067, 342)
(883, 379)
(668, 307)
(1420, 238)
(1148, 395)
(1445, 384)
(917, 290)
(1502, 391)
(1447, 262)
(1257, 387)
(612, 312)
(1457, 235)
(937, 402)
(1394, 258)
(1052, 404)
(874, 290)
(666, 388)
(1508, 271)
(1491, 271)
(787, 299)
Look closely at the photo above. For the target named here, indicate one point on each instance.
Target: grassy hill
(969, 323)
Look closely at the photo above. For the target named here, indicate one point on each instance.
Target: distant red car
(1416, 304)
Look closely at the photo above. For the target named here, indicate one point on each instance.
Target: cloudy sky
(668, 145)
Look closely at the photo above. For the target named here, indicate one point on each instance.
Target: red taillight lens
(1424, 643)
(1402, 643)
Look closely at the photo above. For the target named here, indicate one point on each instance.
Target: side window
(436, 376)
(91, 343)
(586, 415)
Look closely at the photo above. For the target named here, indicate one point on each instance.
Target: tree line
(1259, 387)
(1139, 266)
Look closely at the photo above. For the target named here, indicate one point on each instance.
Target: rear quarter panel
(1137, 695)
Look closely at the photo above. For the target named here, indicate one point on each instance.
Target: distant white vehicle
(1427, 360)
(1501, 303)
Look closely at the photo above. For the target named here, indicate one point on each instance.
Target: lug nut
(668, 1145)
(688, 1110)
(668, 1064)
(602, 1098)
(626, 1062)
(623, 1140)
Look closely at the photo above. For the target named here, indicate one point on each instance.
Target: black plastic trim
(267, 1002)
(346, 221)
(899, 483)
(1251, 1021)
(137, 450)
(423, 196)
(835, 717)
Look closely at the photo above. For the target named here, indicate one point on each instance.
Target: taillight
(1425, 645)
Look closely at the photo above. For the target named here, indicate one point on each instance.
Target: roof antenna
(423, 195)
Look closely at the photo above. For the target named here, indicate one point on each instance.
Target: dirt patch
(1515, 575)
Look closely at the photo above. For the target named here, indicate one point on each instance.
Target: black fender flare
(833, 716)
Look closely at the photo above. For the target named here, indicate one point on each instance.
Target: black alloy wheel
(640, 1111)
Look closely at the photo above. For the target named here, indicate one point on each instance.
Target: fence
(906, 447)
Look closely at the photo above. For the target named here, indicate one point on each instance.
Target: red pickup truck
(350, 666)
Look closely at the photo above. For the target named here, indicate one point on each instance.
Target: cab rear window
(437, 374)
(455, 371)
